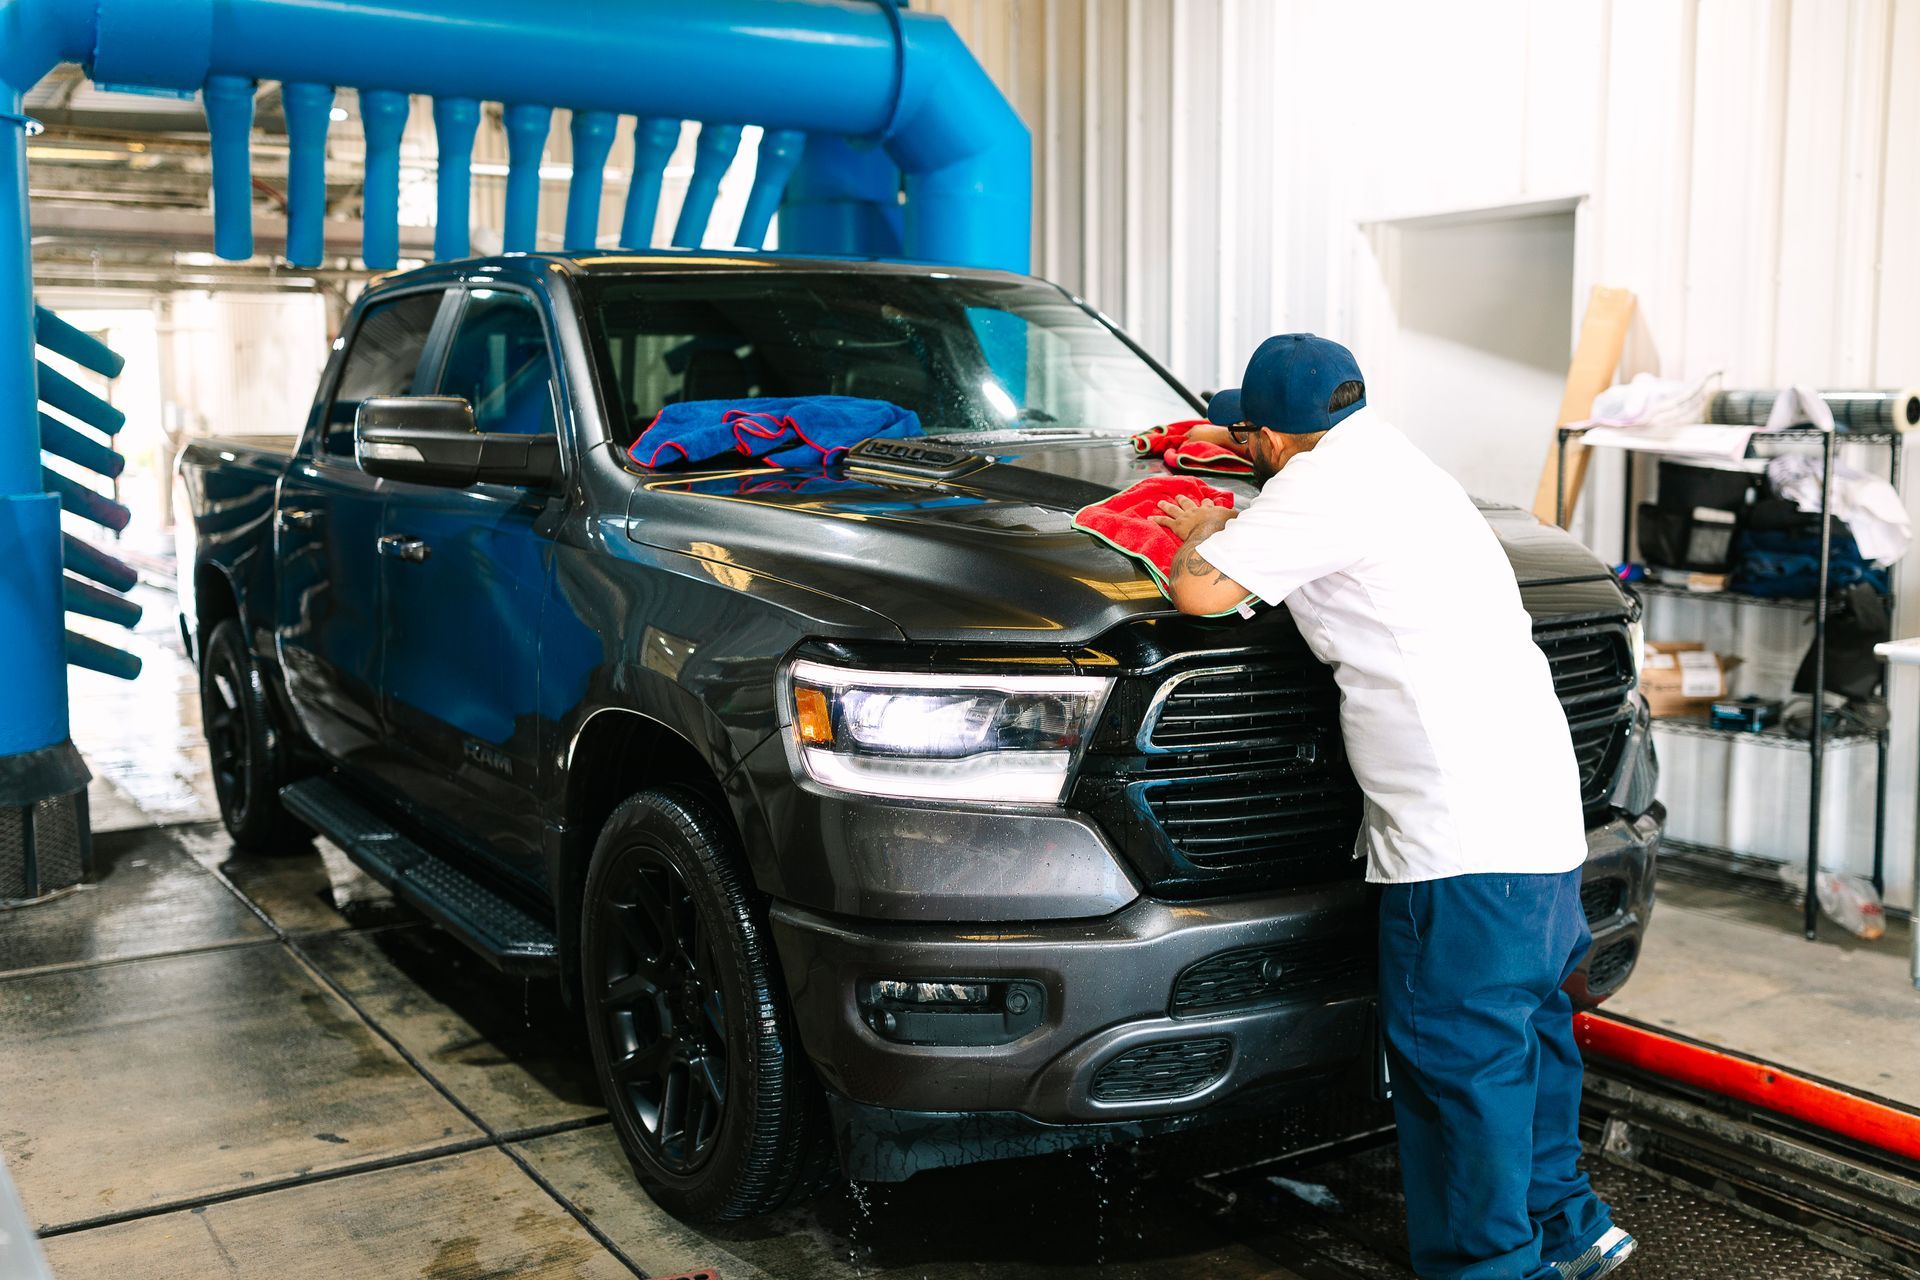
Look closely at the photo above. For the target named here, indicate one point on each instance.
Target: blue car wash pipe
(843, 201)
(713, 152)
(592, 133)
(527, 127)
(383, 117)
(653, 144)
(77, 345)
(228, 102)
(308, 108)
(828, 68)
(780, 152)
(455, 122)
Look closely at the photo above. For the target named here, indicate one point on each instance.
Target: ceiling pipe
(713, 153)
(308, 108)
(653, 143)
(527, 128)
(841, 68)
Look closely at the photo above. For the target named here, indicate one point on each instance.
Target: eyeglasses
(1242, 432)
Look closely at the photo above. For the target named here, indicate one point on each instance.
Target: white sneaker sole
(1591, 1265)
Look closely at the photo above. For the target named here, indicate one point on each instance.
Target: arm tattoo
(1188, 562)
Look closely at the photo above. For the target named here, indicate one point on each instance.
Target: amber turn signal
(811, 716)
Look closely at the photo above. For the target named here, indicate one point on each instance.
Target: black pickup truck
(870, 806)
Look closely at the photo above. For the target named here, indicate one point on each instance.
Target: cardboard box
(1680, 678)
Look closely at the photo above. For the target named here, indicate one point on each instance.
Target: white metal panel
(1813, 189)
(1733, 231)
(1897, 327)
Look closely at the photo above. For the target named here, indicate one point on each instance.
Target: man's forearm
(1195, 585)
(1189, 563)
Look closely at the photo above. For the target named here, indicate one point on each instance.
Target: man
(1473, 825)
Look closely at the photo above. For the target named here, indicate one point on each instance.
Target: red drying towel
(1123, 521)
(1201, 458)
(1155, 441)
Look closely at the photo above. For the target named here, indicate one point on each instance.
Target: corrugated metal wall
(1212, 171)
(1750, 167)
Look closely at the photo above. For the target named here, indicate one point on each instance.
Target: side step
(504, 934)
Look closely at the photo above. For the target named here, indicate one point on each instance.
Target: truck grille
(1241, 705)
(1592, 671)
(1225, 771)
(1238, 815)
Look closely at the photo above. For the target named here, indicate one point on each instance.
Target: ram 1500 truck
(869, 806)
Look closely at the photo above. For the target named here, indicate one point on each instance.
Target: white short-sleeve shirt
(1447, 706)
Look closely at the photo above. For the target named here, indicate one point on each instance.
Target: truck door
(465, 573)
(326, 525)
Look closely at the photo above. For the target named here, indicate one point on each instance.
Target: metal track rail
(1712, 1189)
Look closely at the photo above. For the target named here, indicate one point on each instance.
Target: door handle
(402, 547)
(298, 517)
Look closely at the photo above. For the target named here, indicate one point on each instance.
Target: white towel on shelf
(1870, 506)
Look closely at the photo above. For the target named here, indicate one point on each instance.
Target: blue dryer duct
(861, 103)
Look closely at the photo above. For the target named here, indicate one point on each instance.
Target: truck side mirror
(432, 440)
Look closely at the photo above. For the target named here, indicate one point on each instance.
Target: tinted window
(381, 362)
(498, 362)
(977, 355)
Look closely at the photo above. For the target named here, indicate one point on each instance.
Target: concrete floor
(228, 1065)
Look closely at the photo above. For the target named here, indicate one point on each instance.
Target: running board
(506, 936)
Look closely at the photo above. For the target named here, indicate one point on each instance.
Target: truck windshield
(985, 357)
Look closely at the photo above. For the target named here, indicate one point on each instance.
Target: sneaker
(1601, 1257)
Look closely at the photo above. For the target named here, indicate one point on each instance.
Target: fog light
(931, 992)
(954, 1011)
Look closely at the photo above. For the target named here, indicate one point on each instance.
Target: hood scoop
(917, 457)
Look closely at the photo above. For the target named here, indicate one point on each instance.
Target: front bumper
(1622, 852)
(1109, 987)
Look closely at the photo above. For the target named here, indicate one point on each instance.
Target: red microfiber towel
(1200, 458)
(1155, 441)
(1124, 521)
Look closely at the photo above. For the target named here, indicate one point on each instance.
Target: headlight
(998, 739)
(1637, 646)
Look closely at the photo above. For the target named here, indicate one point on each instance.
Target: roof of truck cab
(615, 262)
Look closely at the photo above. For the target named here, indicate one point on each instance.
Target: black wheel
(692, 1040)
(250, 757)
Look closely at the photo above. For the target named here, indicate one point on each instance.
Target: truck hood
(990, 556)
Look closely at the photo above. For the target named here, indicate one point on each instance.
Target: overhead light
(338, 113)
(73, 153)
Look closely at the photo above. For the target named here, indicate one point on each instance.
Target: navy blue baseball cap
(1287, 385)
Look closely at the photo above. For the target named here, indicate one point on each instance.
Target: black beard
(1263, 471)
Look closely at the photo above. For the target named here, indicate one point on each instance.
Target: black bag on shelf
(1698, 538)
(1856, 621)
(1684, 486)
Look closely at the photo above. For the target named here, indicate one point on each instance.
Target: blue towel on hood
(785, 431)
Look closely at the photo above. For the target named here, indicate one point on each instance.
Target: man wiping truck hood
(1473, 815)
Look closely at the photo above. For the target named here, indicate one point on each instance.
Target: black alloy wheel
(705, 1082)
(663, 1001)
(250, 757)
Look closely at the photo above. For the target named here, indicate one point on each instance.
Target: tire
(692, 1040)
(251, 759)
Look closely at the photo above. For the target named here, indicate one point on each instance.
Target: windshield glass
(969, 356)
